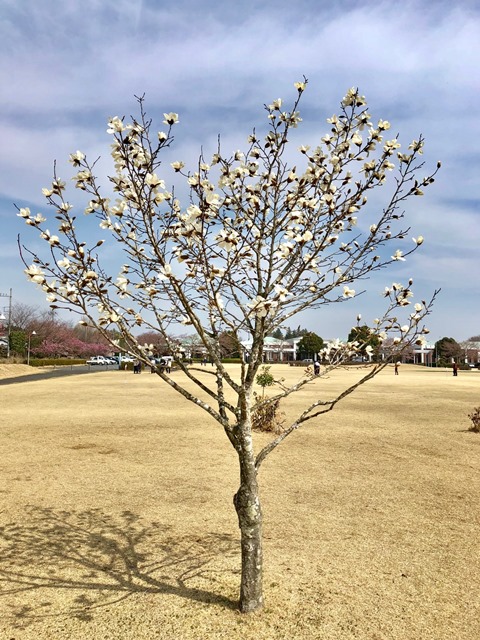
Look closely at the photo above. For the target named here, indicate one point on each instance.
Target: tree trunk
(247, 505)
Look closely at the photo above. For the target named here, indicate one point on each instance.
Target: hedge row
(55, 362)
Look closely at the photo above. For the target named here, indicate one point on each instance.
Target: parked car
(97, 360)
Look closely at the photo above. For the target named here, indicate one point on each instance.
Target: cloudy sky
(68, 65)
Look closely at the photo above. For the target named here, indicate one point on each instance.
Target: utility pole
(9, 321)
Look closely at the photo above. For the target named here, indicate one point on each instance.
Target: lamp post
(34, 333)
(2, 317)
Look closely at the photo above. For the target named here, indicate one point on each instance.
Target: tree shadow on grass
(103, 559)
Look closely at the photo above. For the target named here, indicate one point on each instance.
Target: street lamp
(34, 333)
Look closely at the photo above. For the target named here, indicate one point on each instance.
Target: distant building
(424, 354)
(472, 351)
(275, 350)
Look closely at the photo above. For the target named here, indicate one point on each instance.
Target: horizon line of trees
(55, 337)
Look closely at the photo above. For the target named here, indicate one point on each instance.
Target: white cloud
(69, 66)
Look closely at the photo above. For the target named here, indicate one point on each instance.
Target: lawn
(117, 522)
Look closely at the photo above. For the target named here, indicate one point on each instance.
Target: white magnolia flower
(276, 104)
(261, 307)
(281, 292)
(398, 255)
(115, 125)
(106, 224)
(419, 240)
(153, 180)
(227, 239)
(170, 118)
(219, 302)
(300, 86)
(357, 139)
(416, 145)
(391, 145)
(122, 283)
(178, 165)
(348, 293)
(405, 328)
(284, 250)
(76, 158)
(69, 291)
(165, 272)
(35, 274)
(216, 272)
(45, 235)
(24, 213)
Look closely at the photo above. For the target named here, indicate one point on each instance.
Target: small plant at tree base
(475, 418)
(265, 379)
(265, 416)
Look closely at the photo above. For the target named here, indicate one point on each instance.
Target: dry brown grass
(117, 516)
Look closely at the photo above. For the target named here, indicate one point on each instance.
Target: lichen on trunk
(249, 512)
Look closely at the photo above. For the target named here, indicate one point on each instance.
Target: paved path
(59, 372)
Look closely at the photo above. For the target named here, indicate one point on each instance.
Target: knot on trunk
(247, 506)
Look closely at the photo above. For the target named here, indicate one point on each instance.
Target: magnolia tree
(260, 239)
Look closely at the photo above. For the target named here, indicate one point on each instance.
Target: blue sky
(66, 67)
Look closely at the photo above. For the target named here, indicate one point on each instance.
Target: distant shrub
(475, 418)
(55, 362)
